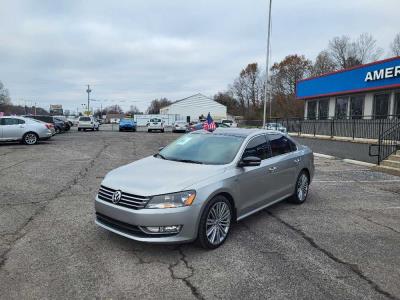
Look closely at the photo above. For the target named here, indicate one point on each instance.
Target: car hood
(154, 176)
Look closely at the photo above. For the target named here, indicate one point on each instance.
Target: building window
(323, 109)
(342, 104)
(356, 107)
(381, 106)
(397, 105)
(312, 110)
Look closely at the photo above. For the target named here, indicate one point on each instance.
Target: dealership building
(370, 91)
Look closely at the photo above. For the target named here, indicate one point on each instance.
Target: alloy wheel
(30, 138)
(218, 223)
(302, 187)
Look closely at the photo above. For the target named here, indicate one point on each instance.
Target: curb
(350, 161)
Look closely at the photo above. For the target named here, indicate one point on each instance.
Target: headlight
(172, 200)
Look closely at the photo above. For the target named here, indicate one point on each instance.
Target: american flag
(209, 124)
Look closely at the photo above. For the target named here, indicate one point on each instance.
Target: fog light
(164, 229)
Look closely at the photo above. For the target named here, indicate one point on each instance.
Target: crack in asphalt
(379, 224)
(81, 174)
(352, 267)
(13, 165)
(185, 279)
(195, 292)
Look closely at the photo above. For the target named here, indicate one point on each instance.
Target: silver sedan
(196, 187)
(27, 130)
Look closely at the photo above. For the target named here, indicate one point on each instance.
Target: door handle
(272, 169)
(297, 160)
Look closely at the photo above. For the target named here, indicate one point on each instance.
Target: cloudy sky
(134, 51)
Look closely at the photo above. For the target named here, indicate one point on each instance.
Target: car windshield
(155, 120)
(227, 121)
(84, 119)
(274, 125)
(126, 120)
(213, 149)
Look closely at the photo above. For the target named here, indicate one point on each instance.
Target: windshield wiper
(159, 155)
(189, 161)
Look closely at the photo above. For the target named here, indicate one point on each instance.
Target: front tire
(30, 138)
(301, 189)
(215, 223)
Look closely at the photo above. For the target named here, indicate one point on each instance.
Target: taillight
(48, 126)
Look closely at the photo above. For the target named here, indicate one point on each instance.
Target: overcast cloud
(140, 50)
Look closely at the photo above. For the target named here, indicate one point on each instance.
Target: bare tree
(133, 110)
(157, 104)
(248, 89)
(346, 53)
(323, 64)
(4, 95)
(395, 45)
(365, 48)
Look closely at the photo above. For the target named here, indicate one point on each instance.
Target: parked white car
(276, 126)
(180, 126)
(85, 123)
(73, 120)
(155, 124)
(27, 130)
(230, 123)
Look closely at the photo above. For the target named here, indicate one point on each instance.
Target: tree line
(245, 96)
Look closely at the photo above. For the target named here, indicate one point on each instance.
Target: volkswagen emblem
(116, 197)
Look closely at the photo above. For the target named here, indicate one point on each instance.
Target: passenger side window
(9, 121)
(280, 144)
(258, 147)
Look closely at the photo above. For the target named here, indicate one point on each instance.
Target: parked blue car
(127, 124)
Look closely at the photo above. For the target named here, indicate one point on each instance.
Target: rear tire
(301, 189)
(215, 223)
(30, 138)
(162, 130)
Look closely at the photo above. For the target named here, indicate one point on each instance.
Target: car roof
(241, 132)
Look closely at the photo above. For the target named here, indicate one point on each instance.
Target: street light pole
(267, 68)
(88, 91)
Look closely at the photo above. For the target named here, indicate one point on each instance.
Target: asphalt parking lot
(343, 243)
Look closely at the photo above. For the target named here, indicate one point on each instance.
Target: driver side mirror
(159, 149)
(250, 161)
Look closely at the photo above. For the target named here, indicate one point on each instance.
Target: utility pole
(88, 91)
(267, 68)
(35, 108)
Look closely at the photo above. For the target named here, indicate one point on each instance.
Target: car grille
(127, 200)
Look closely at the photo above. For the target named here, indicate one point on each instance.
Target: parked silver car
(180, 126)
(27, 130)
(198, 185)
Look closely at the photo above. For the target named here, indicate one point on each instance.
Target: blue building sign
(384, 74)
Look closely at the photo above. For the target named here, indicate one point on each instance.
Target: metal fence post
(354, 127)
(332, 127)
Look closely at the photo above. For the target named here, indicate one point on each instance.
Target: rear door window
(257, 146)
(280, 144)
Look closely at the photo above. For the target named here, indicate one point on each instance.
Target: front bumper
(128, 222)
(127, 127)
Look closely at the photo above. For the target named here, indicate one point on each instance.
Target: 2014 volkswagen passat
(196, 187)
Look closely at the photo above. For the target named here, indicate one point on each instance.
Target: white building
(195, 106)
